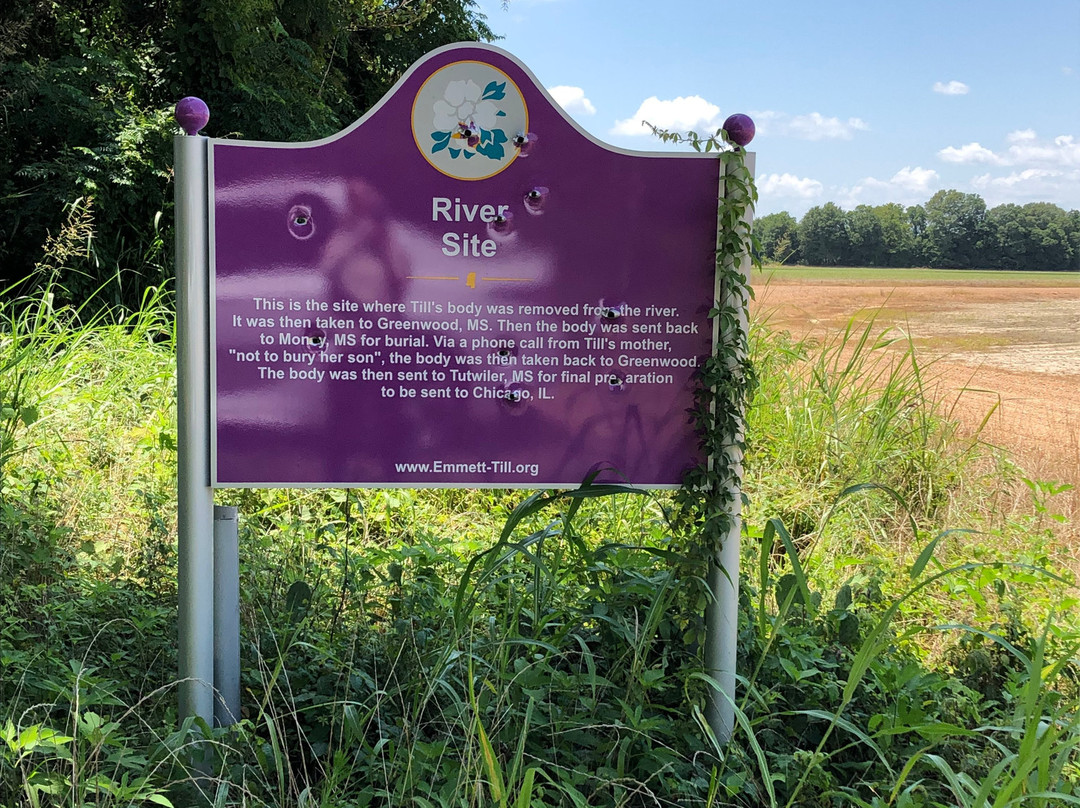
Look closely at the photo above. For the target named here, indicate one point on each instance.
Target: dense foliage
(87, 89)
(457, 648)
(952, 230)
(488, 648)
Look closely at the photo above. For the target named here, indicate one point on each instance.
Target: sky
(855, 101)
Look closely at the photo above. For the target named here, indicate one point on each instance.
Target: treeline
(87, 90)
(953, 230)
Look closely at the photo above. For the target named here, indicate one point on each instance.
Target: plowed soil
(1005, 352)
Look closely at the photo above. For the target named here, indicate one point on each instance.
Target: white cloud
(812, 126)
(909, 186)
(1063, 152)
(951, 87)
(1026, 149)
(1039, 169)
(788, 186)
(1016, 178)
(1021, 136)
(572, 99)
(915, 179)
(971, 153)
(766, 122)
(816, 126)
(677, 114)
(1031, 185)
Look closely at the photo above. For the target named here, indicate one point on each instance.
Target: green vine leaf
(706, 502)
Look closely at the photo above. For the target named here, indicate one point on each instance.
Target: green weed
(468, 648)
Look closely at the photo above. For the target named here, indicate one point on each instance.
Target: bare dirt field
(1006, 348)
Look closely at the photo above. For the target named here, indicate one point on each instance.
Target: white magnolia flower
(461, 106)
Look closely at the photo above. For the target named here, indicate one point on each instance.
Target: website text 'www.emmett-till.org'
(442, 467)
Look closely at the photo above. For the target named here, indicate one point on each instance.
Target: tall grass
(468, 648)
(852, 409)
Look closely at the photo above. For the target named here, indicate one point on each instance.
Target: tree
(823, 235)
(1010, 237)
(81, 129)
(1073, 217)
(87, 89)
(1035, 236)
(867, 246)
(955, 229)
(897, 235)
(916, 216)
(778, 235)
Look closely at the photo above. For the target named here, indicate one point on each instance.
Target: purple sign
(461, 289)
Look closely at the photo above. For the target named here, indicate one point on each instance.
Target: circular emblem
(465, 118)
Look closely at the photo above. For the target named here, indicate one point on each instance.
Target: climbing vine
(706, 503)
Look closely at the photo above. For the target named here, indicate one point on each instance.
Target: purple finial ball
(192, 114)
(740, 129)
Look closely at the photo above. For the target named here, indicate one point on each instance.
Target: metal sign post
(195, 497)
(226, 616)
(722, 613)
